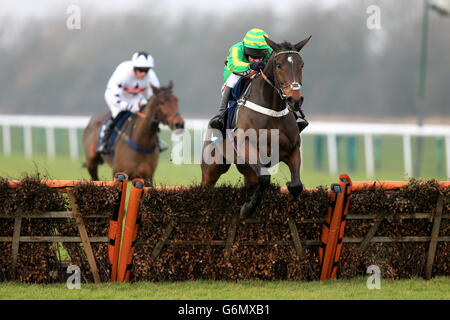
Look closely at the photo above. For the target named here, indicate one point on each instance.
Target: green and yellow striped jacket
(238, 63)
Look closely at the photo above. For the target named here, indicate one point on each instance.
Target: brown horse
(275, 91)
(136, 150)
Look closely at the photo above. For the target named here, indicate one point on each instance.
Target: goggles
(141, 69)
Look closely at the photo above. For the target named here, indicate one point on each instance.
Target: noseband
(294, 85)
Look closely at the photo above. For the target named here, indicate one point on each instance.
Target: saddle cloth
(233, 107)
(118, 123)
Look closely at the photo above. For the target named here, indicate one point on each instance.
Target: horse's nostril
(179, 125)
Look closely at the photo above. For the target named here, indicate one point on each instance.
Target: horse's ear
(170, 85)
(275, 46)
(156, 90)
(301, 44)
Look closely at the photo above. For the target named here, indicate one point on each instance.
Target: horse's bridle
(294, 85)
(164, 118)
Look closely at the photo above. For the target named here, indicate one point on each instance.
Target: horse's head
(167, 107)
(285, 65)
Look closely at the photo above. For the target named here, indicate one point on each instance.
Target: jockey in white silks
(128, 89)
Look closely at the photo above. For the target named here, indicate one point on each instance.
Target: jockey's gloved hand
(142, 100)
(257, 65)
(134, 107)
(123, 106)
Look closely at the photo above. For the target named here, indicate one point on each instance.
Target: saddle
(119, 122)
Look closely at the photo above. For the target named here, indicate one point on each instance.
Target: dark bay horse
(275, 91)
(136, 150)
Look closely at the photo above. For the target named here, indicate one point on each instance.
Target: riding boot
(105, 135)
(218, 121)
(300, 119)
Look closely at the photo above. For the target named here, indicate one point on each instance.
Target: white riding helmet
(142, 60)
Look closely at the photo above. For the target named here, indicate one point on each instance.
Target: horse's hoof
(292, 198)
(247, 211)
(294, 191)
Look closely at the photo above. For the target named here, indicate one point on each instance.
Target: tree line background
(350, 72)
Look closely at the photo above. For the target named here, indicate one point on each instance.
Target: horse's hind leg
(211, 173)
(90, 136)
(93, 170)
(248, 210)
(92, 167)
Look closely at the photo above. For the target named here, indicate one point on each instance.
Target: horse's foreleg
(295, 186)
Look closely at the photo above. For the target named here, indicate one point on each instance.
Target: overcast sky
(15, 14)
(44, 8)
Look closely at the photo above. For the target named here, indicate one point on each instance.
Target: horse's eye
(279, 66)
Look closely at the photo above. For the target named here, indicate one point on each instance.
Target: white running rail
(330, 129)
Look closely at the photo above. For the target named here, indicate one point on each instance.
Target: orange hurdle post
(130, 230)
(333, 228)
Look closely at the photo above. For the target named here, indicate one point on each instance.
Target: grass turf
(354, 289)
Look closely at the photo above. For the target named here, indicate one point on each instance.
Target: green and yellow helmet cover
(254, 38)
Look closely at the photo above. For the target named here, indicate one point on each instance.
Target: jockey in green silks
(246, 58)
